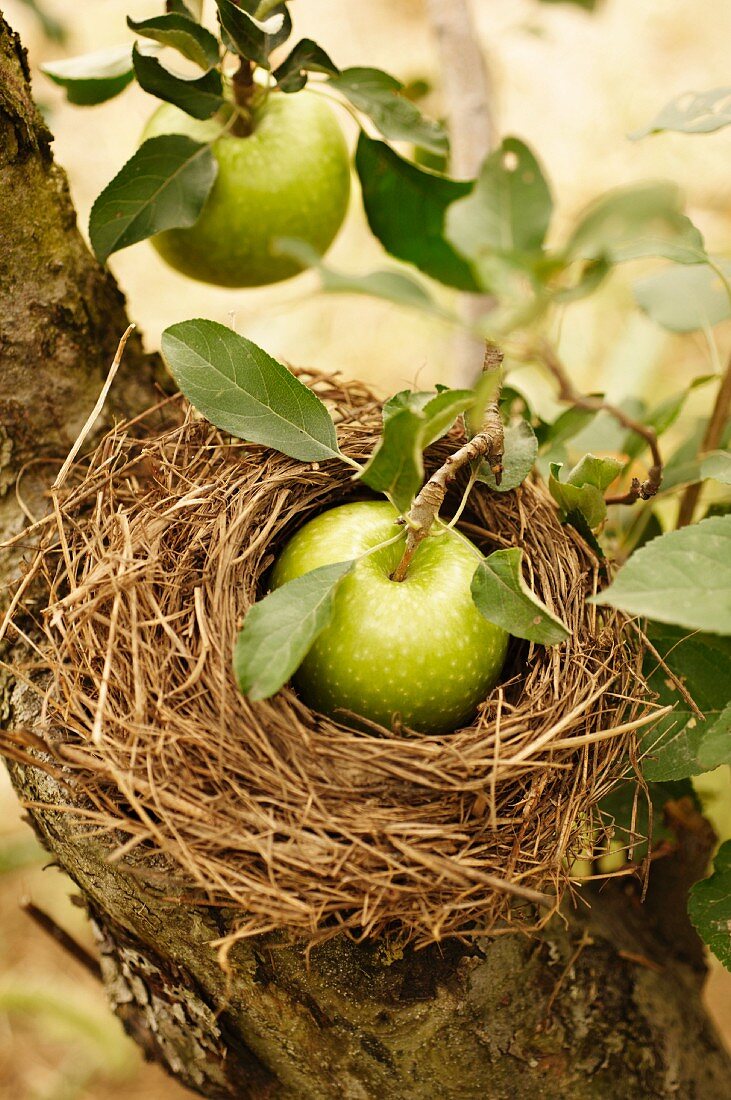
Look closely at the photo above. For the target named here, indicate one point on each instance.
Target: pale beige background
(573, 86)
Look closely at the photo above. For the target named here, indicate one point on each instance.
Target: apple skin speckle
(418, 649)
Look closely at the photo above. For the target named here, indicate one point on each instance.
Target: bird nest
(294, 820)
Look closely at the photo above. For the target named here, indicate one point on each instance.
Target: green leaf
(179, 7)
(507, 213)
(521, 447)
(591, 470)
(662, 417)
(279, 630)
(715, 748)
(682, 744)
(94, 77)
(378, 95)
(306, 57)
(683, 299)
(502, 596)
(629, 223)
(583, 490)
(182, 34)
(692, 113)
(250, 37)
(682, 577)
(627, 806)
(709, 906)
(163, 186)
(588, 5)
(717, 465)
(391, 286)
(405, 207)
(200, 98)
(242, 390)
(411, 422)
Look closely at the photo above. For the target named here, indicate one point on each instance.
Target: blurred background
(573, 84)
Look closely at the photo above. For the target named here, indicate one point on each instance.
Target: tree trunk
(606, 1004)
(61, 314)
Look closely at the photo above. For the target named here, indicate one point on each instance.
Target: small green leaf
(306, 57)
(502, 596)
(684, 299)
(629, 223)
(717, 465)
(692, 113)
(521, 447)
(583, 490)
(405, 207)
(182, 34)
(94, 77)
(715, 748)
(682, 577)
(179, 7)
(163, 186)
(279, 630)
(683, 744)
(507, 213)
(378, 95)
(200, 98)
(588, 5)
(591, 470)
(250, 37)
(709, 906)
(242, 390)
(411, 422)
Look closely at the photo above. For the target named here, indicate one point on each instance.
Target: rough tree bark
(605, 1004)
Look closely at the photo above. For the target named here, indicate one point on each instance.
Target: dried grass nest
(295, 821)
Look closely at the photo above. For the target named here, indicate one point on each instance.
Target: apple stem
(243, 90)
(488, 443)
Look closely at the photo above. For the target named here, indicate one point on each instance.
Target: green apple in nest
(289, 178)
(416, 648)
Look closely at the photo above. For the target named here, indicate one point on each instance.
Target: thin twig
(488, 443)
(62, 938)
(711, 439)
(638, 490)
(95, 412)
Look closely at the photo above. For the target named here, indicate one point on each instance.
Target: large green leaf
(411, 422)
(519, 455)
(644, 219)
(683, 744)
(279, 630)
(93, 77)
(709, 906)
(181, 33)
(507, 213)
(242, 390)
(683, 299)
(163, 186)
(502, 596)
(682, 577)
(692, 113)
(406, 206)
(200, 98)
(306, 57)
(250, 37)
(378, 95)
